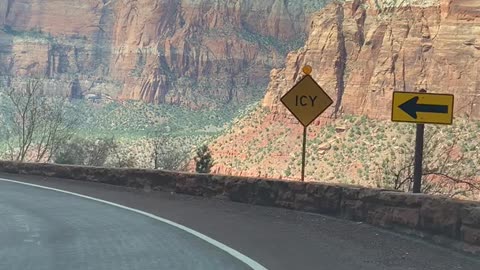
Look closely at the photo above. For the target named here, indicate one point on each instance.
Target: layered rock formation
(188, 52)
(363, 50)
(67, 43)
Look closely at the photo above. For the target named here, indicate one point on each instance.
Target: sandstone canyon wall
(363, 50)
(360, 51)
(187, 52)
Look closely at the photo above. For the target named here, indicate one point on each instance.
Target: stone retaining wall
(445, 221)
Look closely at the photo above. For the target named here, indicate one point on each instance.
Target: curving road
(49, 230)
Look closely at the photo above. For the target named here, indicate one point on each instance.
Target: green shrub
(288, 172)
(71, 153)
(87, 152)
(203, 160)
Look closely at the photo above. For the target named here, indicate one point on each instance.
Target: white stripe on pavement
(253, 264)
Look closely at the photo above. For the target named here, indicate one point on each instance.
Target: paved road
(42, 229)
(48, 230)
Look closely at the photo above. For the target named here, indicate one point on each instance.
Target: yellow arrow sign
(422, 108)
(306, 100)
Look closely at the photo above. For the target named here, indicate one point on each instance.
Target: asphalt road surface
(49, 230)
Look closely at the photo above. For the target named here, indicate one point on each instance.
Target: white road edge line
(251, 263)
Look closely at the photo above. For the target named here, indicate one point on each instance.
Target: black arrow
(411, 107)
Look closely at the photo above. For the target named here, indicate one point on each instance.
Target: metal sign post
(421, 108)
(304, 152)
(417, 169)
(418, 165)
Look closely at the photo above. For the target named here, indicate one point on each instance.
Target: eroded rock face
(61, 41)
(360, 54)
(187, 52)
(57, 17)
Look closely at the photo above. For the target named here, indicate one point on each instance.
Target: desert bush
(79, 151)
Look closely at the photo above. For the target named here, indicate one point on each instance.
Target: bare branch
(35, 123)
(447, 168)
(165, 155)
(469, 182)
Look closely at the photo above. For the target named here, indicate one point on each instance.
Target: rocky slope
(189, 52)
(360, 51)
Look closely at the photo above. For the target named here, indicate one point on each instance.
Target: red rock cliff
(361, 53)
(189, 52)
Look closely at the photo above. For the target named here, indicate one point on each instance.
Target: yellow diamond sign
(306, 100)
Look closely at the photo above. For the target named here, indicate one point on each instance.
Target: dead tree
(165, 155)
(35, 125)
(447, 169)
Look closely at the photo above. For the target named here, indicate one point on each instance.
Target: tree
(203, 160)
(447, 169)
(34, 125)
(157, 142)
(166, 155)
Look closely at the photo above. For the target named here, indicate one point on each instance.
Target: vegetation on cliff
(351, 150)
